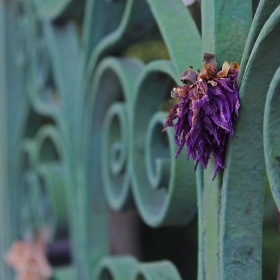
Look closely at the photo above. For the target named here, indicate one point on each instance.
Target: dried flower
(206, 112)
(28, 258)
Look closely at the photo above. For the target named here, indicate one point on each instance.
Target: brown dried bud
(224, 72)
(207, 73)
(179, 91)
(188, 76)
(234, 66)
(209, 58)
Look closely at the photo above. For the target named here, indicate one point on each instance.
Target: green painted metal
(181, 36)
(114, 268)
(162, 270)
(81, 130)
(264, 10)
(161, 199)
(52, 9)
(219, 36)
(128, 268)
(42, 189)
(271, 131)
(244, 203)
(64, 273)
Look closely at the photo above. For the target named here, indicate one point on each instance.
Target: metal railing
(81, 130)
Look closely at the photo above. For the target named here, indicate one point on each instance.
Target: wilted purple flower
(206, 112)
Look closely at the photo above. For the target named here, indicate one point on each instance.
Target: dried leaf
(188, 76)
(224, 72)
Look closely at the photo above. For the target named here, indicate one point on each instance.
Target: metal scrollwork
(157, 198)
(271, 132)
(84, 130)
(128, 268)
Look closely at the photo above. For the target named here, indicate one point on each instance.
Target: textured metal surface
(245, 160)
(271, 131)
(81, 131)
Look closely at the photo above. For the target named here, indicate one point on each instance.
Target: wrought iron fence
(81, 129)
